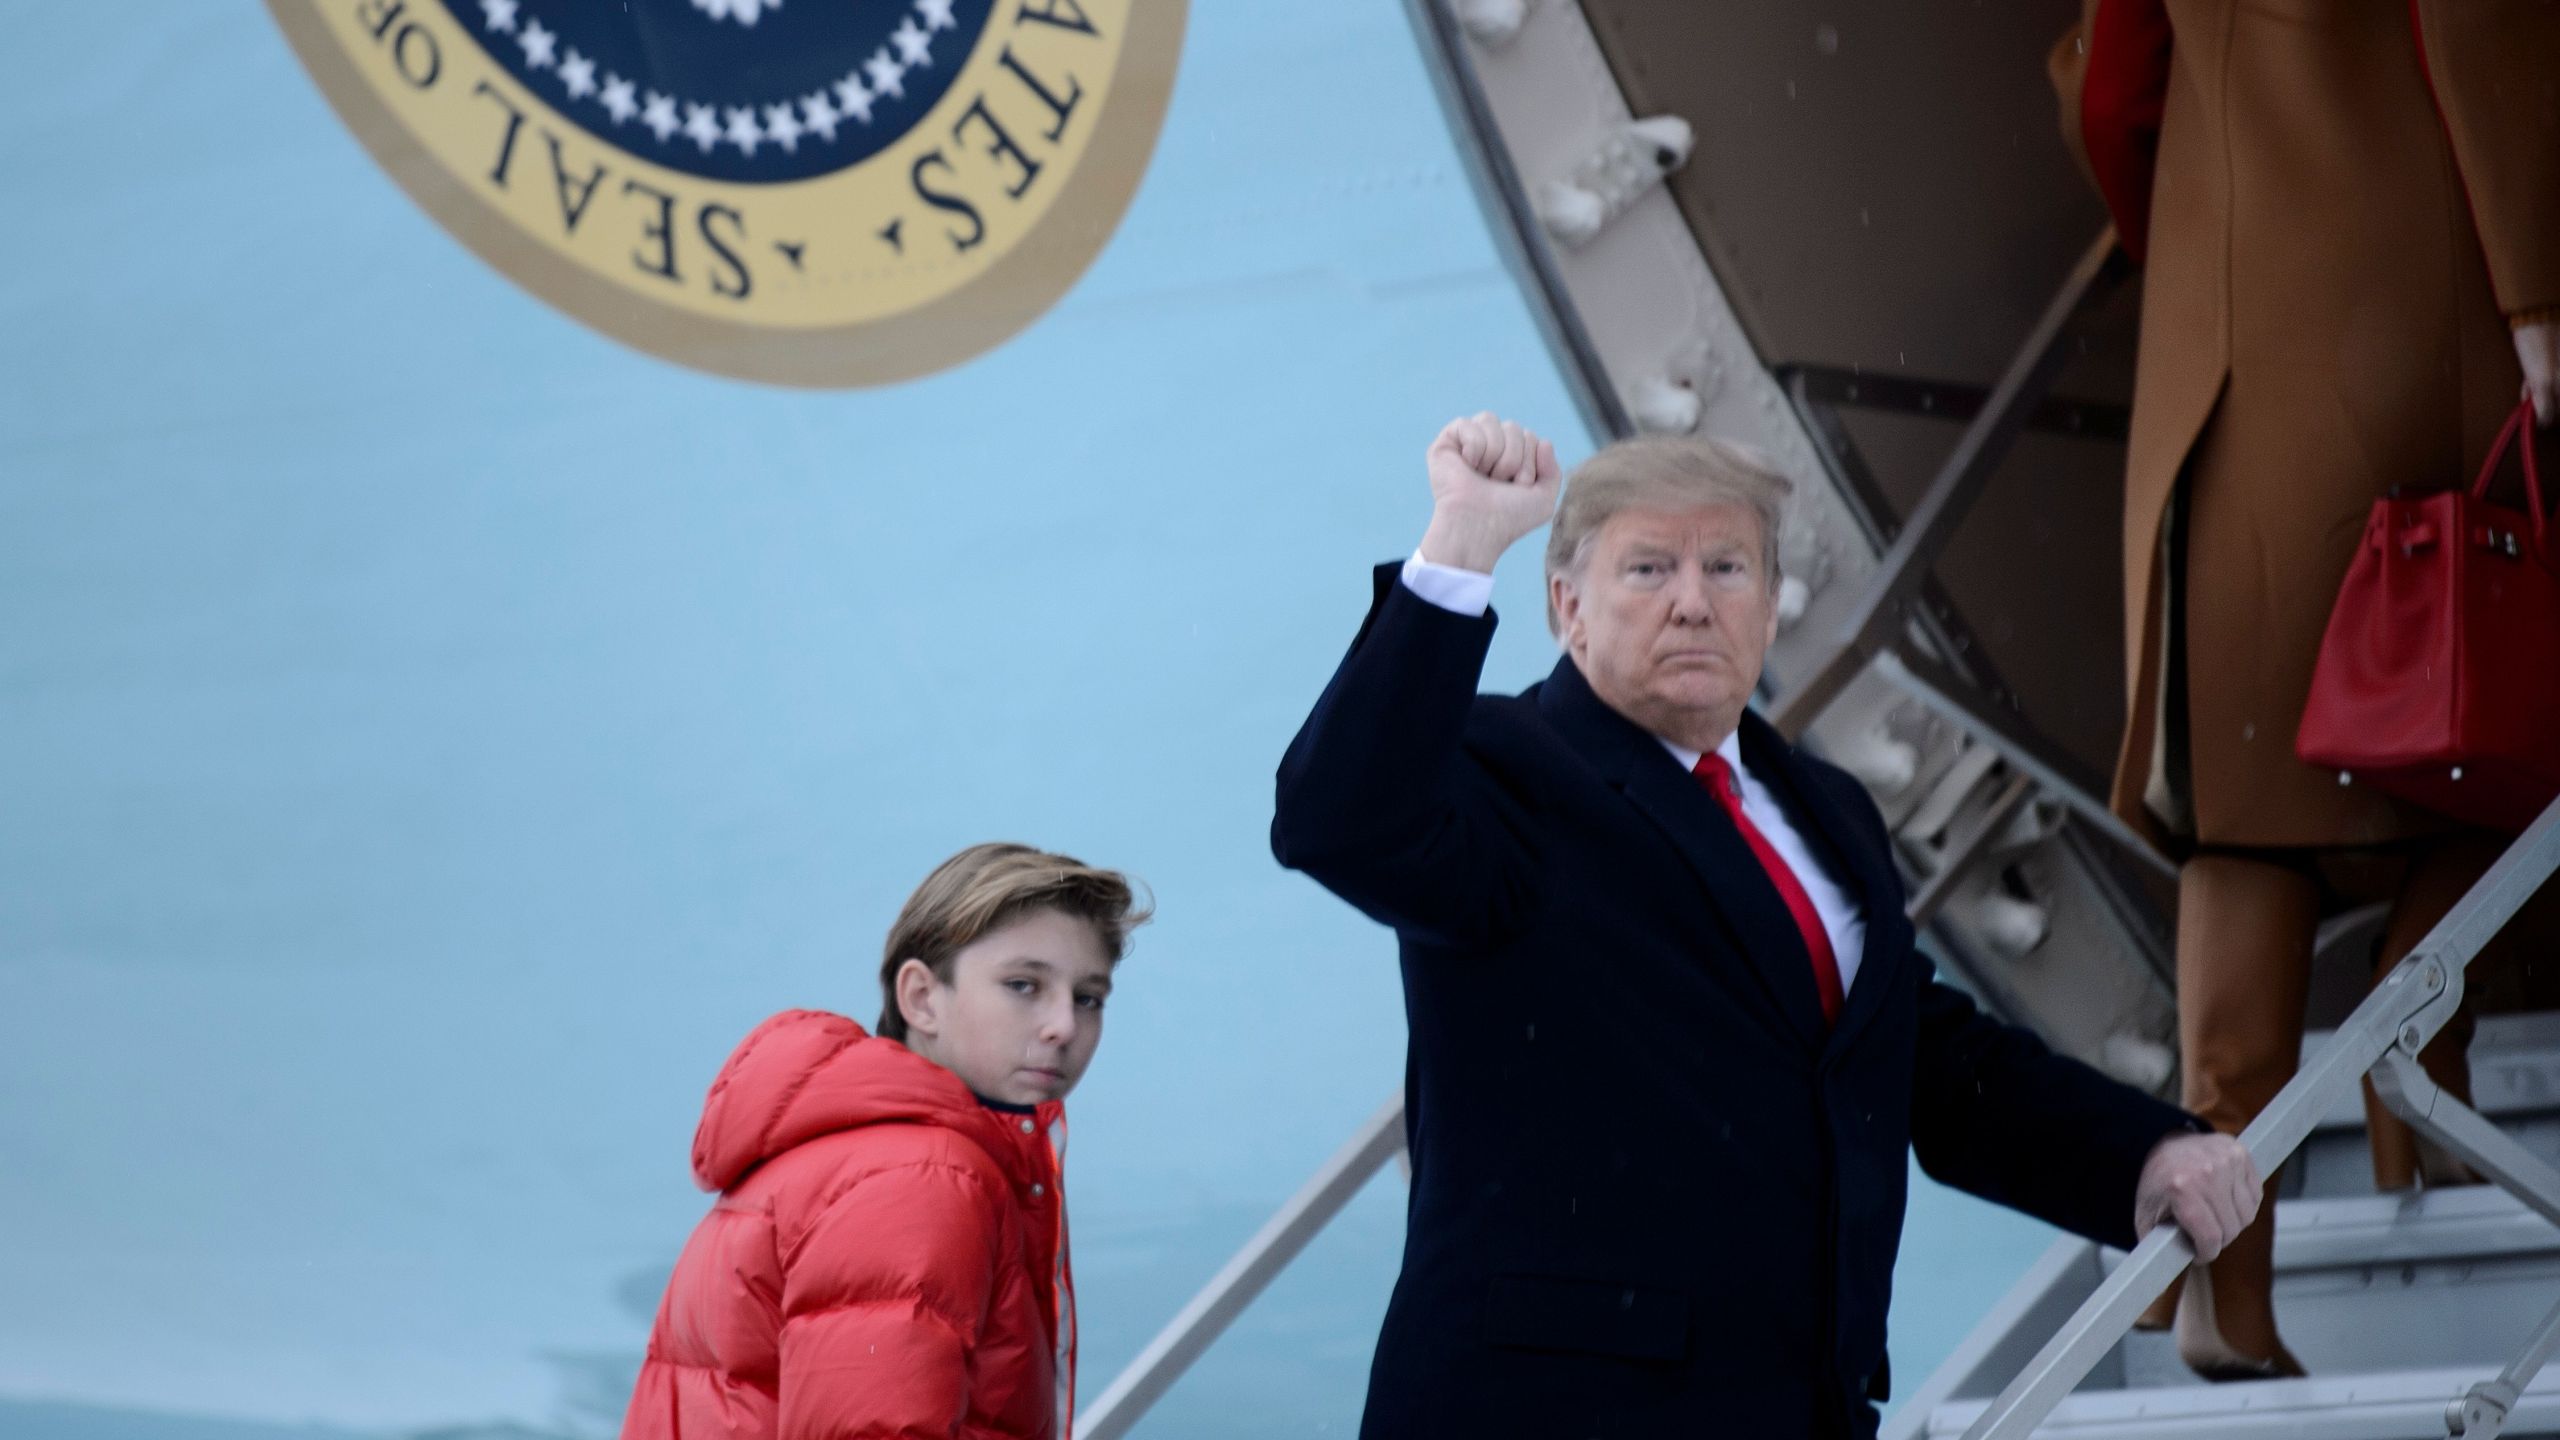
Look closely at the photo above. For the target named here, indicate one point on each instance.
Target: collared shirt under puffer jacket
(887, 1257)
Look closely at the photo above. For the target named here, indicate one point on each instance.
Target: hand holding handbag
(2439, 676)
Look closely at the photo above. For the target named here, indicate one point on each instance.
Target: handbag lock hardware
(2501, 542)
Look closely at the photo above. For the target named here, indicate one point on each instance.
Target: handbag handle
(2520, 424)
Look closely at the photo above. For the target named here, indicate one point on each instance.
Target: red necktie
(1719, 780)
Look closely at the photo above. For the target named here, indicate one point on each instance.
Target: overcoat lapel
(1866, 872)
(1730, 879)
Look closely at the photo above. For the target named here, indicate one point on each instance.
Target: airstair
(1666, 182)
(2398, 1305)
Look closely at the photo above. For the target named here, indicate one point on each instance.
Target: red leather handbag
(2439, 678)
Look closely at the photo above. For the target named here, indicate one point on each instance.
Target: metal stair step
(2377, 1405)
(2452, 1277)
(2463, 1225)
(2369, 1282)
(2369, 1292)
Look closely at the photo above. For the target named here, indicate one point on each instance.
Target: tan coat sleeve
(2495, 69)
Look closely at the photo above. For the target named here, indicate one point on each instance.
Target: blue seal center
(760, 91)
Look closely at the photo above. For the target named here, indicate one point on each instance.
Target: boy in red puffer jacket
(888, 1255)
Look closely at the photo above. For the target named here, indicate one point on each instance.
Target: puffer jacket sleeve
(883, 1297)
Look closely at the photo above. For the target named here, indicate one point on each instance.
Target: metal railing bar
(2103, 1319)
(1836, 450)
(2404, 1012)
(2413, 1095)
(1959, 482)
(1183, 1340)
(2512, 879)
(2093, 1330)
(2410, 1093)
(2483, 1411)
(2041, 1295)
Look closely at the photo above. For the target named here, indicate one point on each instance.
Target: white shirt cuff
(1465, 592)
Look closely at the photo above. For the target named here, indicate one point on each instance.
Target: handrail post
(2410, 1093)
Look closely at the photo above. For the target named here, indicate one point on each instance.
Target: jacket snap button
(1026, 1127)
(1039, 1190)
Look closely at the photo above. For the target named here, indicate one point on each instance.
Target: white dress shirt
(1470, 592)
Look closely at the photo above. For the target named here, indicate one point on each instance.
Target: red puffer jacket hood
(887, 1256)
(806, 1073)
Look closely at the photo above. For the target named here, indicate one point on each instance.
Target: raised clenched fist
(1492, 482)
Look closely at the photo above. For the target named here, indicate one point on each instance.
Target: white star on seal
(578, 73)
(701, 126)
(783, 126)
(617, 99)
(743, 130)
(660, 115)
(743, 11)
(886, 75)
(936, 13)
(914, 46)
(498, 14)
(852, 98)
(820, 115)
(538, 44)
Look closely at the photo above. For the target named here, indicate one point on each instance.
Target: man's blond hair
(1662, 472)
(987, 887)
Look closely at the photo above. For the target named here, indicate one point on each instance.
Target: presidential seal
(808, 192)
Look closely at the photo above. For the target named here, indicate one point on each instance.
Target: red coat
(887, 1256)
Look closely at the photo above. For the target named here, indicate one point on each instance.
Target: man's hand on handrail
(2206, 1183)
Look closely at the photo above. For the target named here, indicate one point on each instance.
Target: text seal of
(806, 192)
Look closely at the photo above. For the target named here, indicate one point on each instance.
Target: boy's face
(1022, 1013)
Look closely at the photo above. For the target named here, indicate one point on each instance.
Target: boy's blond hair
(987, 887)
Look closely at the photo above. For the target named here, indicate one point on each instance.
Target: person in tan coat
(2349, 216)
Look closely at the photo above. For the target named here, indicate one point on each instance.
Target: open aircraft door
(1851, 236)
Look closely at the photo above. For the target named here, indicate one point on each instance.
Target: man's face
(1670, 616)
(1022, 1013)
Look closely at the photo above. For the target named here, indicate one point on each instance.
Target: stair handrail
(2383, 1036)
(1188, 1335)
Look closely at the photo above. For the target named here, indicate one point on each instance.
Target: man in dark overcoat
(1671, 1044)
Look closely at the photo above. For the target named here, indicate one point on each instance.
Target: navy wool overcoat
(1653, 1192)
